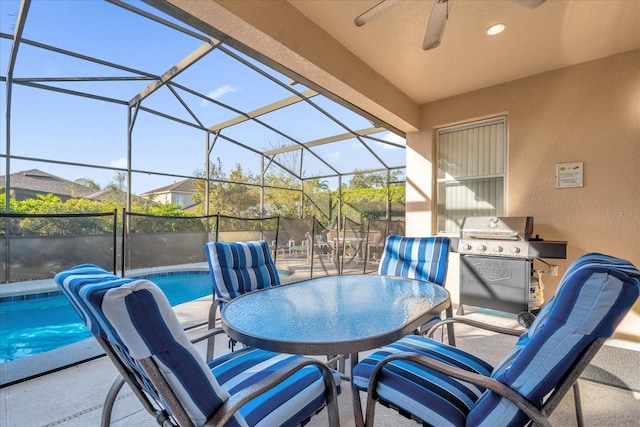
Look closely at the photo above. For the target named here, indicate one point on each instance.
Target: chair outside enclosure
(134, 323)
(237, 268)
(424, 258)
(438, 384)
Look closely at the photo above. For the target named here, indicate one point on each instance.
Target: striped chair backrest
(239, 267)
(136, 320)
(424, 258)
(594, 295)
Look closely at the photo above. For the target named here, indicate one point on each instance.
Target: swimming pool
(34, 326)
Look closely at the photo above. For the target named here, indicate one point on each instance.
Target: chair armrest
(474, 323)
(200, 336)
(532, 411)
(217, 302)
(233, 404)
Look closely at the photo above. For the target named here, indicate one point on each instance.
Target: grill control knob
(515, 250)
(497, 249)
(482, 248)
(466, 247)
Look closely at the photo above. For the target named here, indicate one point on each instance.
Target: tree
(88, 182)
(118, 182)
(372, 179)
(235, 195)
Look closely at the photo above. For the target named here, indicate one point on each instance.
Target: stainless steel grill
(496, 264)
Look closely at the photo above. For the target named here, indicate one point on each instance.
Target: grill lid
(515, 228)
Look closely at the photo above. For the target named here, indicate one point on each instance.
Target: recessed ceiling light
(495, 29)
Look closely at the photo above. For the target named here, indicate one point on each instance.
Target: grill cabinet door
(496, 283)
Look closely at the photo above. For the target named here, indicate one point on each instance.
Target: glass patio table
(333, 315)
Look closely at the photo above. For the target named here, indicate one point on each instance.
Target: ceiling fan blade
(531, 4)
(437, 21)
(374, 11)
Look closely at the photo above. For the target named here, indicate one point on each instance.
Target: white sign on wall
(569, 175)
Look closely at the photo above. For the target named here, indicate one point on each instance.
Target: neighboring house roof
(184, 186)
(113, 193)
(27, 184)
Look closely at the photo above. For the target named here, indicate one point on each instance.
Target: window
(471, 172)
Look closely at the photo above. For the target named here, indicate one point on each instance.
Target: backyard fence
(37, 246)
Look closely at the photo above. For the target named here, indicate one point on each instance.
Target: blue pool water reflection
(34, 326)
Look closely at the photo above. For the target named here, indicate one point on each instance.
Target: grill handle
(494, 236)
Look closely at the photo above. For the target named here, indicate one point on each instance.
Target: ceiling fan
(437, 19)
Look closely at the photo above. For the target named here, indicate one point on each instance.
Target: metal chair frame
(538, 415)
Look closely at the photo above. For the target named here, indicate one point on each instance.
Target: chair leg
(578, 404)
(355, 398)
(110, 400)
(211, 341)
(450, 332)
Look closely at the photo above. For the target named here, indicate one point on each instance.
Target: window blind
(471, 172)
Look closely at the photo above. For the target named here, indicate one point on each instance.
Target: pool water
(37, 325)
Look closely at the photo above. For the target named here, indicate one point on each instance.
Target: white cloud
(334, 156)
(219, 92)
(119, 163)
(392, 137)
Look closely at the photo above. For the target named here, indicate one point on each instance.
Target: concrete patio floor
(74, 396)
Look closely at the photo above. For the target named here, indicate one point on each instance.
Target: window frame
(439, 180)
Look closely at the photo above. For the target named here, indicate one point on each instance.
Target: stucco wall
(586, 113)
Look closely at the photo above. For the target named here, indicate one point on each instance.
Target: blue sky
(65, 128)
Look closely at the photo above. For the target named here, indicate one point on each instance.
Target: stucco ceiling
(557, 34)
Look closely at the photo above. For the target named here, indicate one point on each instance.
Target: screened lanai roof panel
(348, 118)
(66, 128)
(393, 154)
(165, 101)
(226, 80)
(347, 155)
(281, 79)
(205, 110)
(256, 136)
(141, 50)
(100, 29)
(117, 91)
(33, 61)
(5, 52)
(229, 156)
(8, 15)
(314, 166)
(302, 122)
(165, 146)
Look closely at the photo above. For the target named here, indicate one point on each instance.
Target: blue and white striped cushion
(86, 281)
(424, 258)
(140, 315)
(71, 282)
(291, 403)
(425, 394)
(594, 295)
(136, 317)
(240, 267)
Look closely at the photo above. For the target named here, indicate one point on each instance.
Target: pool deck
(74, 396)
(48, 285)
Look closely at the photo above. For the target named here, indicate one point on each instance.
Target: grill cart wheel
(525, 319)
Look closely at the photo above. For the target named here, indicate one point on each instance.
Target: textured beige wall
(586, 113)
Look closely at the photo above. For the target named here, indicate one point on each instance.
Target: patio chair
(237, 268)
(320, 246)
(424, 258)
(299, 250)
(438, 384)
(134, 323)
